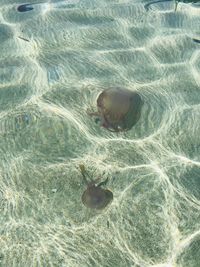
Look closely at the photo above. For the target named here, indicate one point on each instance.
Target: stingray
(118, 109)
(95, 197)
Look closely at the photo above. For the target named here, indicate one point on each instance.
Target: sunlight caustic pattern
(53, 65)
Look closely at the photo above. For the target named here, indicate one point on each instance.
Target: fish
(23, 39)
(42, 6)
(196, 40)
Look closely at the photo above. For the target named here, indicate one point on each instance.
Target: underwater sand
(48, 80)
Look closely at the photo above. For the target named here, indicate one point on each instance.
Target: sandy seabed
(54, 61)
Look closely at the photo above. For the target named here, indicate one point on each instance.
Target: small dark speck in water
(108, 224)
(22, 120)
(130, 222)
(97, 120)
(26, 118)
(113, 178)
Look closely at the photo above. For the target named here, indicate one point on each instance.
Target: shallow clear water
(54, 61)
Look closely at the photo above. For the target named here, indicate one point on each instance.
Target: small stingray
(95, 197)
(119, 109)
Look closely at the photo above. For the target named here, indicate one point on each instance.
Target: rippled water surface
(54, 62)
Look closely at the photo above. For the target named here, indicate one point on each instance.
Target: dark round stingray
(95, 197)
(118, 109)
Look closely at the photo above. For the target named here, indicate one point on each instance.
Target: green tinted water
(47, 83)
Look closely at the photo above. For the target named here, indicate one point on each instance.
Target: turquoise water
(54, 62)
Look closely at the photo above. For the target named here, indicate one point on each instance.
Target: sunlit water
(54, 61)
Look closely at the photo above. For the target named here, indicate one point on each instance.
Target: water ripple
(54, 62)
